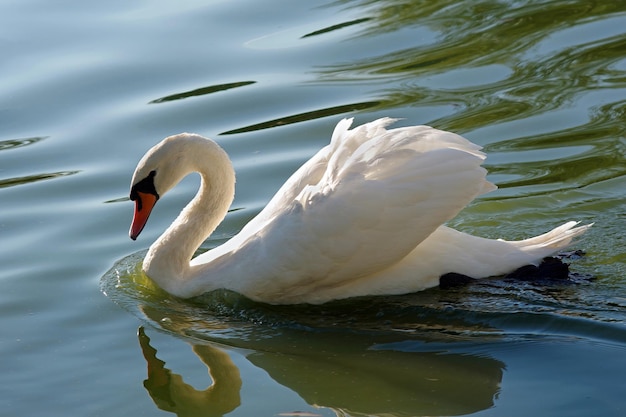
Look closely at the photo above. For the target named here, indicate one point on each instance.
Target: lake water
(86, 88)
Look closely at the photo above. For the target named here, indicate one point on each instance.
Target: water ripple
(10, 182)
(301, 117)
(491, 310)
(18, 143)
(202, 91)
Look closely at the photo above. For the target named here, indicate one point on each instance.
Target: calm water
(86, 88)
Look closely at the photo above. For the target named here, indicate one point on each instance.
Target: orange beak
(143, 207)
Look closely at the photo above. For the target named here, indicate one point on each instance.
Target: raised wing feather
(361, 204)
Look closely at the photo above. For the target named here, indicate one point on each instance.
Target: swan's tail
(553, 241)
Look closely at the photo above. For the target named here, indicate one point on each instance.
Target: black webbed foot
(453, 279)
(549, 269)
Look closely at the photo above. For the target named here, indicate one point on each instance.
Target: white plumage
(362, 217)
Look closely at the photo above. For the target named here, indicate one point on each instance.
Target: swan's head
(160, 169)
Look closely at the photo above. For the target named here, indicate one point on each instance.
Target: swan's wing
(361, 204)
(312, 170)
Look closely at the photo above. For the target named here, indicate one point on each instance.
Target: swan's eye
(146, 186)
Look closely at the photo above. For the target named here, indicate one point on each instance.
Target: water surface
(86, 88)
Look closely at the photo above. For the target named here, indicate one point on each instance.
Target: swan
(364, 216)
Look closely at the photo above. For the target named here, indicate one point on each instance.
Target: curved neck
(167, 260)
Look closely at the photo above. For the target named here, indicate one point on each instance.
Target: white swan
(362, 217)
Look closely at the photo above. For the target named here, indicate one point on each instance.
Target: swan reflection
(386, 379)
(170, 392)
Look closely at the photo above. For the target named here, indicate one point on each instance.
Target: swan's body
(362, 217)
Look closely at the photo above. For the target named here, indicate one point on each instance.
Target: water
(86, 88)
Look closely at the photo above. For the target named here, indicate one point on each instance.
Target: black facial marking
(146, 185)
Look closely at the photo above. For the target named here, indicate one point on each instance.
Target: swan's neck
(167, 260)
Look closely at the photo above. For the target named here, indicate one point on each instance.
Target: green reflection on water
(521, 76)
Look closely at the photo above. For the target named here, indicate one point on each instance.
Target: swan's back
(358, 206)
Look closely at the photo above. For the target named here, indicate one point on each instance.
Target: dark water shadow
(338, 26)
(202, 91)
(27, 179)
(302, 117)
(18, 143)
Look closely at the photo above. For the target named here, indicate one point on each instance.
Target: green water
(86, 88)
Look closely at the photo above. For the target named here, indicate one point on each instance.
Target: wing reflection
(333, 372)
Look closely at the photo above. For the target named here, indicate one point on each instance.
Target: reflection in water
(336, 27)
(420, 354)
(170, 393)
(337, 374)
(529, 67)
(311, 115)
(202, 91)
(18, 143)
(11, 144)
(10, 182)
(386, 382)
